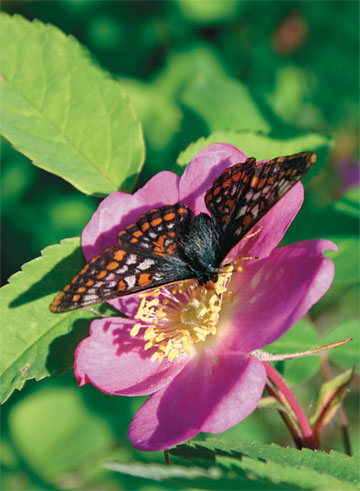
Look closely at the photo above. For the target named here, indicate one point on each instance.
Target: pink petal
(273, 293)
(116, 363)
(199, 175)
(214, 392)
(274, 225)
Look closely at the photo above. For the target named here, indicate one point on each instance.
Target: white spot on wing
(146, 264)
(130, 281)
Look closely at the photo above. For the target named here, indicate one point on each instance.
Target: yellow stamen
(187, 315)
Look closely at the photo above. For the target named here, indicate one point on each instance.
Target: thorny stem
(341, 411)
(307, 434)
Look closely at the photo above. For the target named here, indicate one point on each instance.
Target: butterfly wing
(147, 256)
(245, 192)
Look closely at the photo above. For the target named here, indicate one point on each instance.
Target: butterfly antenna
(237, 269)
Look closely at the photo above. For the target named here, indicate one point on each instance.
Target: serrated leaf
(347, 355)
(337, 465)
(224, 103)
(260, 146)
(65, 113)
(38, 342)
(301, 337)
(330, 397)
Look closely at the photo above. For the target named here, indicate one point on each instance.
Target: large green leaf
(328, 469)
(65, 113)
(346, 260)
(261, 146)
(39, 343)
(218, 463)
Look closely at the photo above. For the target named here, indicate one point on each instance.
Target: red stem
(308, 437)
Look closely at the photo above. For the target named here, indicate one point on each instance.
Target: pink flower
(212, 384)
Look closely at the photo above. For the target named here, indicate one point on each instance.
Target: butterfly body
(170, 244)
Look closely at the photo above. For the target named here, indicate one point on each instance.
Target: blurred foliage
(191, 68)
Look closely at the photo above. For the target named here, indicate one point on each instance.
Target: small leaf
(330, 397)
(224, 103)
(347, 355)
(63, 112)
(270, 403)
(38, 342)
(261, 146)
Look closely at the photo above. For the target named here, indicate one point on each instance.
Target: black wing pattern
(245, 192)
(147, 256)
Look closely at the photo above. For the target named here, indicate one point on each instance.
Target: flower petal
(206, 166)
(271, 294)
(116, 363)
(212, 393)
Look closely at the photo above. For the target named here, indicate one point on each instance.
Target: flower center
(176, 319)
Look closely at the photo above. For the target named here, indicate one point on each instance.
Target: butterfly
(170, 244)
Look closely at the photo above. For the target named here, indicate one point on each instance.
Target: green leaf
(63, 435)
(330, 470)
(301, 337)
(224, 103)
(330, 397)
(347, 355)
(205, 12)
(260, 146)
(349, 203)
(346, 260)
(38, 342)
(63, 112)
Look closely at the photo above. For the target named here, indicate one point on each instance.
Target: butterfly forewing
(244, 193)
(147, 256)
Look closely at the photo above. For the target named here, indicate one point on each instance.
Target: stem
(341, 411)
(294, 431)
(167, 457)
(307, 434)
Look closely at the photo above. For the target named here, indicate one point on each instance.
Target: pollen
(178, 320)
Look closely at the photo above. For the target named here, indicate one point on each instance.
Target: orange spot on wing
(169, 216)
(66, 287)
(236, 177)
(226, 183)
(74, 280)
(145, 226)
(134, 240)
(254, 181)
(89, 283)
(171, 248)
(119, 255)
(76, 298)
(261, 183)
(94, 259)
(112, 265)
(181, 211)
(156, 222)
(82, 289)
(247, 219)
(122, 285)
(137, 233)
(101, 275)
(217, 191)
(144, 279)
(85, 268)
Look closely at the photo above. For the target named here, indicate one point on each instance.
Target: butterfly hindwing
(147, 256)
(245, 192)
